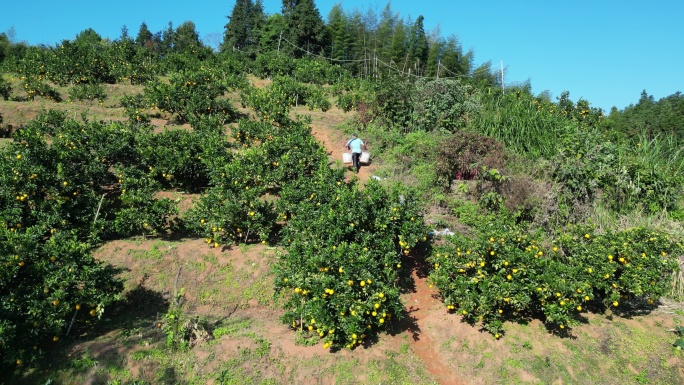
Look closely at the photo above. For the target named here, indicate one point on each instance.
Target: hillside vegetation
(171, 214)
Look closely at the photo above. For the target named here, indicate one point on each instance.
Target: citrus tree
(505, 272)
(345, 248)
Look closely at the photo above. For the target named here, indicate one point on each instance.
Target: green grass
(623, 352)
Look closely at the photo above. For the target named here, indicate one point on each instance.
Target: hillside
(236, 335)
(171, 214)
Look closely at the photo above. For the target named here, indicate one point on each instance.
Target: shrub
(443, 104)
(344, 258)
(35, 86)
(190, 94)
(463, 154)
(49, 279)
(84, 91)
(506, 273)
(5, 89)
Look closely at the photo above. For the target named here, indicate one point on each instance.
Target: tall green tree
(186, 38)
(124, 34)
(304, 27)
(88, 37)
(434, 59)
(237, 30)
(384, 33)
(258, 18)
(167, 38)
(144, 35)
(363, 42)
(418, 45)
(453, 61)
(242, 30)
(398, 49)
(4, 46)
(270, 33)
(338, 33)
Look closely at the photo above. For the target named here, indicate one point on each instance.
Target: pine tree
(338, 33)
(258, 20)
(237, 31)
(453, 60)
(186, 38)
(359, 43)
(435, 53)
(384, 33)
(144, 35)
(418, 44)
(243, 30)
(304, 27)
(124, 34)
(398, 49)
(168, 38)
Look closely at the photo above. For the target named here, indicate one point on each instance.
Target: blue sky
(604, 51)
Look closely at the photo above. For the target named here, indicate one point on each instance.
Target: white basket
(365, 157)
(346, 157)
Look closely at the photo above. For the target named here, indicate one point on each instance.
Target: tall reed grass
(524, 124)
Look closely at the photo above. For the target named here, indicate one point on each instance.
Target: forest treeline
(360, 41)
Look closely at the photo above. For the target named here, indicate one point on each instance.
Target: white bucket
(365, 157)
(346, 157)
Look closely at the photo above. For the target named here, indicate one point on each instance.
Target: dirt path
(323, 128)
(421, 304)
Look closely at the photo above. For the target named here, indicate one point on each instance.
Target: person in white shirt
(356, 146)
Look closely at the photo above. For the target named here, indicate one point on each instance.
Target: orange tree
(64, 185)
(345, 245)
(177, 158)
(192, 93)
(5, 88)
(49, 193)
(235, 208)
(505, 272)
(46, 281)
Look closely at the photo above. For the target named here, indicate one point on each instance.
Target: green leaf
(679, 343)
